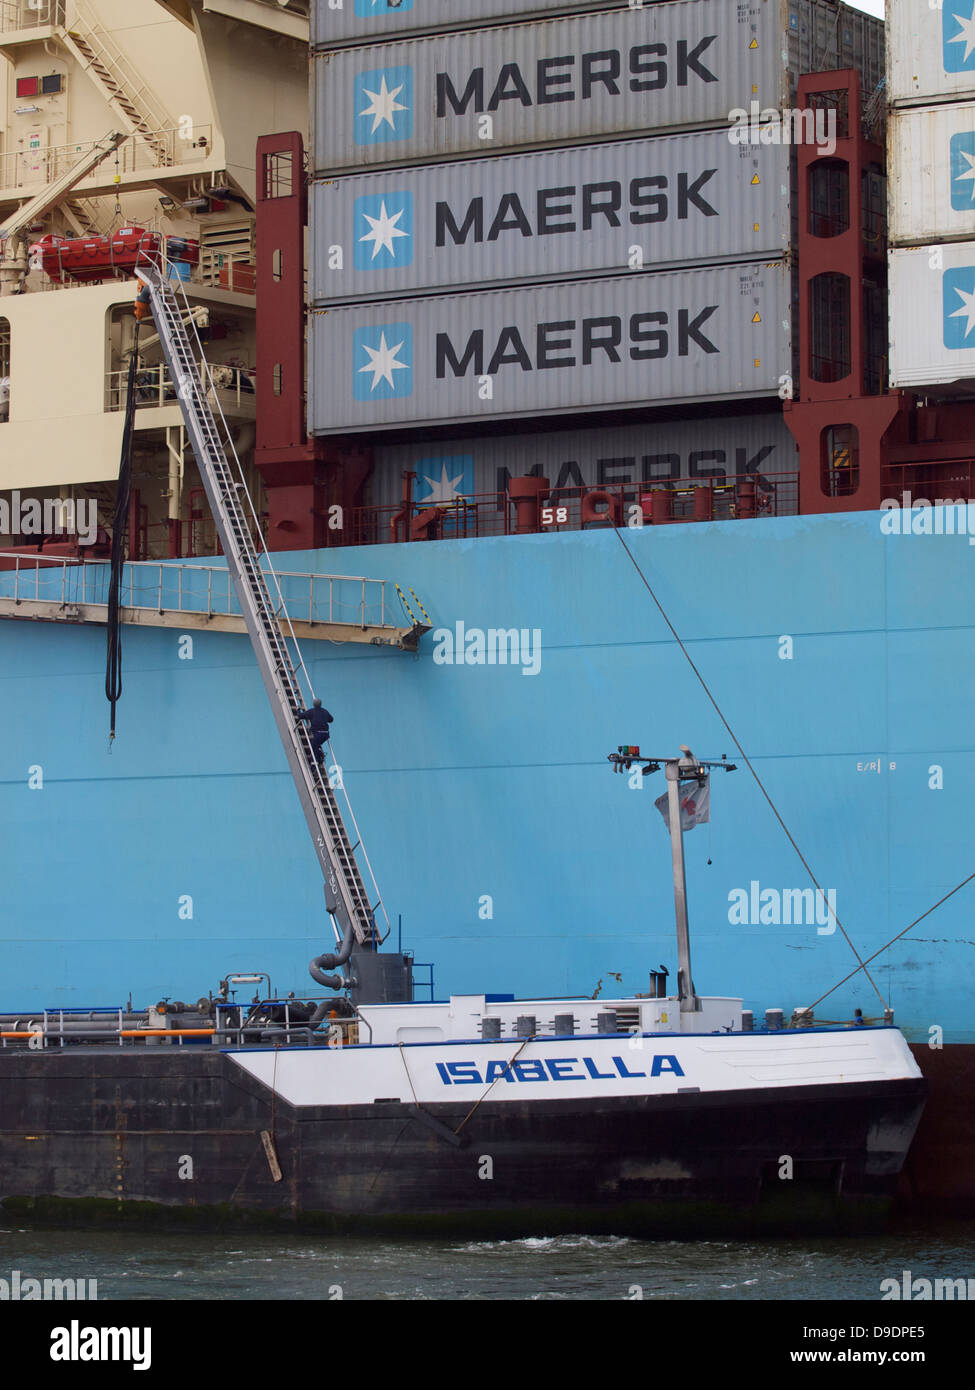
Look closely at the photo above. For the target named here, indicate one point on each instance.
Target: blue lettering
(666, 1063)
(464, 1072)
(622, 1069)
(536, 1074)
(594, 1071)
(559, 1069)
(555, 1066)
(496, 1069)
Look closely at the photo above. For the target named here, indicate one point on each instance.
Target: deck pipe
(330, 960)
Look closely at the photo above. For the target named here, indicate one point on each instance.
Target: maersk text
(571, 208)
(561, 79)
(569, 343)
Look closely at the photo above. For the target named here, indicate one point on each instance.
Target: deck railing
(154, 386)
(21, 14)
(668, 502)
(26, 576)
(183, 145)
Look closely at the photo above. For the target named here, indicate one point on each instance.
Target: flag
(695, 805)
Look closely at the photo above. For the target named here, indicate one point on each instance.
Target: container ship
(534, 335)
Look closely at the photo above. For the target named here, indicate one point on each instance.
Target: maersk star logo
(383, 230)
(378, 9)
(444, 479)
(958, 35)
(959, 307)
(383, 105)
(382, 362)
(962, 163)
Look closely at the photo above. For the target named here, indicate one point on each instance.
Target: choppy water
(180, 1267)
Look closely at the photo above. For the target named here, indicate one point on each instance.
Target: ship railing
(46, 1034)
(247, 1024)
(949, 482)
(115, 1026)
(40, 1033)
(62, 1027)
(178, 587)
(154, 387)
(181, 145)
(248, 1030)
(30, 14)
(340, 1032)
(265, 1035)
(192, 536)
(722, 497)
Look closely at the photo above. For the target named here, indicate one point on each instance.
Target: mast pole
(689, 1002)
(686, 768)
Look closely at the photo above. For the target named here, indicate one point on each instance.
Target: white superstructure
(430, 1053)
(191, 86)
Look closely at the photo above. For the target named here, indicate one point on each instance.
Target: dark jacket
(318, 719)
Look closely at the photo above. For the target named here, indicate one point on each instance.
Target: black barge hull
(184, 1136)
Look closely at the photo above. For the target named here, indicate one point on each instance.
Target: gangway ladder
(345, 894)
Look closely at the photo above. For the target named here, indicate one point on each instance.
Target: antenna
(686, 768)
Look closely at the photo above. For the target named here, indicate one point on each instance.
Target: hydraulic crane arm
(345, 894)
(200, 315)
(13, 263)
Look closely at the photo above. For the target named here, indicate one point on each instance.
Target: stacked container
(931, 148)
(539, 210)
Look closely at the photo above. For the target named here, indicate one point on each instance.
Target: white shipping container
(932, 315)
(930, 50)
(816, 35)
(682, 64)
(931, 151)
(480, 91)
(629, 341)
(363, 21)
(676, 200)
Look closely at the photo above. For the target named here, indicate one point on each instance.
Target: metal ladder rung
(250, 579)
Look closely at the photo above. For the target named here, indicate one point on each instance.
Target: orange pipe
(126, 1033)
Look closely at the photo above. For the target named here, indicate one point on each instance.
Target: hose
(113, 670)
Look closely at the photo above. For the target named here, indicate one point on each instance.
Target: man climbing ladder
(318, 722)
(265, 616)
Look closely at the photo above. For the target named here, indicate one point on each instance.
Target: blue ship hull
(516, 860)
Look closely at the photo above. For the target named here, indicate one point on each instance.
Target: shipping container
(670, 66)
(677, 200)
(931, 159)
(694, 450)
(629, 340)
(932, 315)
(365, 21)
(930, 51)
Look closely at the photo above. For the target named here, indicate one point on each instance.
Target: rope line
(895, 938)
(408, 1077)
(485, 1094)
(745, 759)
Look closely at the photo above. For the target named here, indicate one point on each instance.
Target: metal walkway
(324, 607)
(278, 657)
